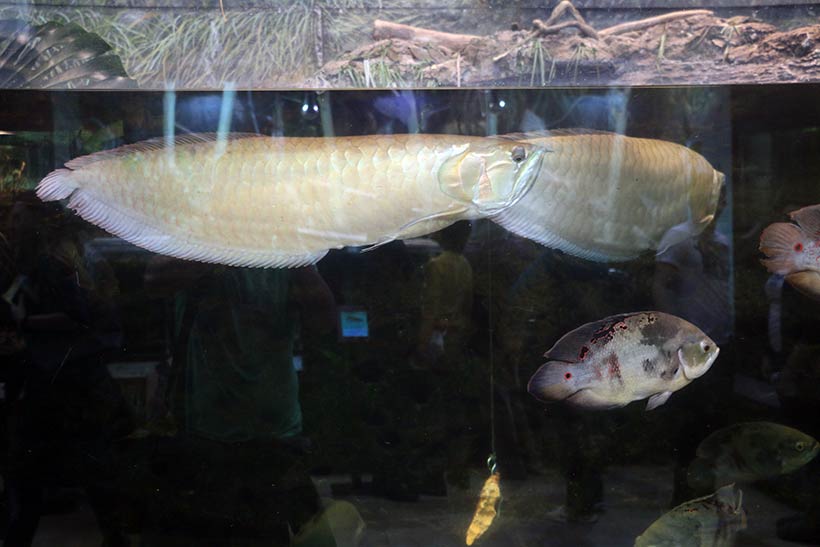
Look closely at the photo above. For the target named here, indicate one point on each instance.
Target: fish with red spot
(624, 358)
(793, 250)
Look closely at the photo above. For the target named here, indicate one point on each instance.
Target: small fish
(747, 452)
(607, 197)
(624, 358)
(793, 250)
(710, 521)
(486, 509)
(252, 200)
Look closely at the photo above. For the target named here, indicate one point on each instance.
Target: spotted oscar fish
(793, 250)
(624, 358)
(608, 197)
(252, 200)
(710, 521)
(747, 452)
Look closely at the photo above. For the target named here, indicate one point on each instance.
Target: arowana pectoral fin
(454, 215)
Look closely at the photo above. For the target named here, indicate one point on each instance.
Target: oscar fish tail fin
(783, 244)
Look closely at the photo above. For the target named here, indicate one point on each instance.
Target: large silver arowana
(252, 200)
(609, 197)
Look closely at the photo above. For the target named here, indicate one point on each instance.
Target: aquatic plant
(539, 57)
(580, 53)
(728, 33)
(204, 48)
(661, 49)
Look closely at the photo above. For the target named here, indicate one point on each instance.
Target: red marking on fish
(798, 247)
(604, 333)
(568, 376)
(614, 367)
(584, 351)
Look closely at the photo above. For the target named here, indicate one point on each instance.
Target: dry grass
(203, 49)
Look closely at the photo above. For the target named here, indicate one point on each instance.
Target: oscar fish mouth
(705, 367)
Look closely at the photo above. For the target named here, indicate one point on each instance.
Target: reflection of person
(447, 300)
(692, 281)
(65, 410)
(235, 329)
(447, 297)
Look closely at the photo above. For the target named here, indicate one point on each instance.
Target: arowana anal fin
(60, 185)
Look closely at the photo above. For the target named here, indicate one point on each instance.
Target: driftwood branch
(457, 42)
(542, 29)
(652, 21)
(384, 29)
(550, 27)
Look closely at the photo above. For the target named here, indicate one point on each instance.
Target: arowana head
(491, 175)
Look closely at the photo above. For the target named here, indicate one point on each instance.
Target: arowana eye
(519, 154)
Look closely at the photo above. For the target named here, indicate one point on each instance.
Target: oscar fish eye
(518, 154)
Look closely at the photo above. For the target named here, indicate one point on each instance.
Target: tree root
(652, 21)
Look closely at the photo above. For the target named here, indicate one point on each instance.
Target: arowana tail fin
(783, 244)
(57, 185)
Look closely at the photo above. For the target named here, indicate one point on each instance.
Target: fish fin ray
(56, 185)
(809, 219)
(142, 234)
(657, 400)
(379, 244)
(778, 242)
(547, 133)
(440, 215)
(568, 346)
(154, 144)
(515, 219)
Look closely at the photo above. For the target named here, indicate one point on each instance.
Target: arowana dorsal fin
(154, 144)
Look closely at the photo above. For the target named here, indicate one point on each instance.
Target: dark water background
(377, 421)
